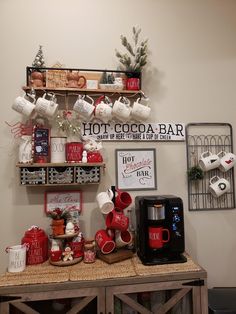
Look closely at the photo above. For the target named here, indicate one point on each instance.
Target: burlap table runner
(46, 273)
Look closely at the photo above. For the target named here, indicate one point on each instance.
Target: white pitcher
(17, 258)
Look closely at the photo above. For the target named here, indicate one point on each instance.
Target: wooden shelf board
(60, 184)
(65, 164)
(83, 90)
(65, 236)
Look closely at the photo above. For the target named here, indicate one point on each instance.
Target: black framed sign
(136, 169)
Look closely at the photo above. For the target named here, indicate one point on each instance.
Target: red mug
(122, 200)
(55, 256)
(77, 248)
(117, 220)
(104, 242)
(123, 238)
(94, 156)
(155, 235)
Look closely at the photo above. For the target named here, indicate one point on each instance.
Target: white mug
(139, 111)
(121, 109)
(227, 161)
(46, 107)
(83, 107)
(22, 105)
(103, 110)
(122, 238)
(218, 186)
(17, 258)
(209, 161)
(104, 200)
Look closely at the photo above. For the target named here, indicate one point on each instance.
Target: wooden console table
(105, 283)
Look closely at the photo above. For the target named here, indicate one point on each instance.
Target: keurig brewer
(160, 229)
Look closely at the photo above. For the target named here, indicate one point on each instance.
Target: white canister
(58, 149)
(25, 149)
(17, 258)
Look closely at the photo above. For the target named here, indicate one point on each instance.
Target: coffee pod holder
(214, 138)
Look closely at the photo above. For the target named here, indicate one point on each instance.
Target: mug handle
(127, 101)
(168, 235)
(31, 97)
(221, 152)
(213, 179)
(26, 245)
(108, 101)
(202, 154)
(90, 98)
(99, 100)
(83, 83)
(110, 194)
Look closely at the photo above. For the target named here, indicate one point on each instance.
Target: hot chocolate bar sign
(116, 131)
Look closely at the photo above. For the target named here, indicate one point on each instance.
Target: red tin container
(37, 241)
(74, 151)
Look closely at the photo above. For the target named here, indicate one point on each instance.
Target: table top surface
(46, 277)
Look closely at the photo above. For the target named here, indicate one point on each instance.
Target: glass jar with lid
(89, 252)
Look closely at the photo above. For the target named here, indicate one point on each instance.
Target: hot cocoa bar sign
(116, 131)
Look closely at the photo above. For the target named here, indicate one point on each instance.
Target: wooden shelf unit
(56, 174)
(85, 73)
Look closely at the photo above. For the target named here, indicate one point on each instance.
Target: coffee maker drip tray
(160, 259)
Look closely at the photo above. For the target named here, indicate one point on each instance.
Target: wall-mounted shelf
(55, 174)
(74, 80)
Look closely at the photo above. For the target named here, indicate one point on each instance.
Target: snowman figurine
(84, 156)
(70, 228)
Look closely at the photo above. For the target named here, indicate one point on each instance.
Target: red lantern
(37, 241)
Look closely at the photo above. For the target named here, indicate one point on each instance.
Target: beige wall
(191, 78)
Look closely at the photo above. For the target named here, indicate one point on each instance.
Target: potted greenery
(134, 59)
(58, 217)
(195, 173)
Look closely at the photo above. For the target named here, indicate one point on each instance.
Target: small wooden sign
(56, 78)
(68, 200)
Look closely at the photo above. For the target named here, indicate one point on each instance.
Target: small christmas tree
(39, 59)
(136, 58)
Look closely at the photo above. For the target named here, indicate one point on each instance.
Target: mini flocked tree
(135, 57)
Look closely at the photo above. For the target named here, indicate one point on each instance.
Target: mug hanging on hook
(103, 109)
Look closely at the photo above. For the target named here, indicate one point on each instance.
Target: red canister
(74, 151)
(37, 241)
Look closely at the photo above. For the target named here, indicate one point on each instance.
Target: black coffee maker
(159, 229)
